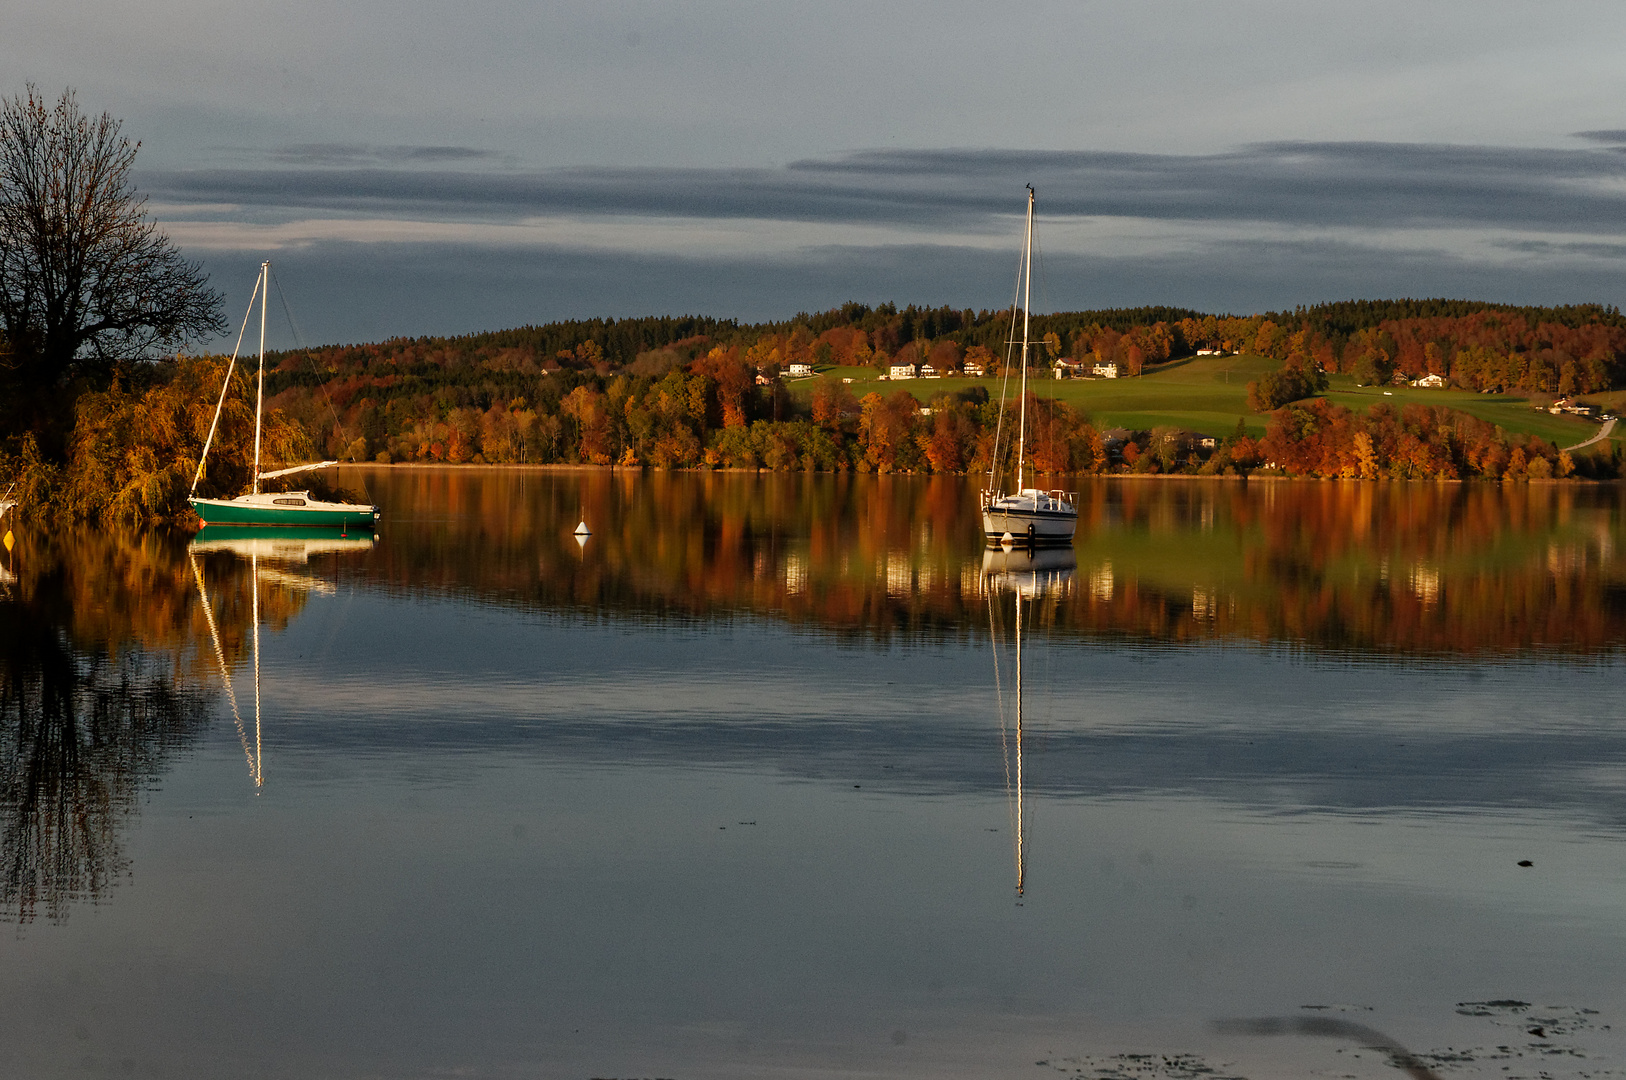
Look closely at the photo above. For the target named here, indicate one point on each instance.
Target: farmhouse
(1106, 369)
(901, 371)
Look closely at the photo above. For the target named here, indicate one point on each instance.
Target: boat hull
(1025, 526)
(323, 515)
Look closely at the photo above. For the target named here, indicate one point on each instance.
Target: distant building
(973, 370)
(901, 371)
(1105, 370)
(1207, 352)
(762, 380)
(927, 371)
(800, 369)
(1435, 381)
(1066, 368)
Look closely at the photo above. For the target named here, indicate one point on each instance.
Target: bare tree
(86, 280)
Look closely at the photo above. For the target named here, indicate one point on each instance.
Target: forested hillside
(674, 392)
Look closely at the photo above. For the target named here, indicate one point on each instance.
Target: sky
(421, 167)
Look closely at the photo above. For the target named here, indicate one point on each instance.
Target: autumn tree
(87, 282)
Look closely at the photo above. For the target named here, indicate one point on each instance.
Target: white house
(973, 370)
(927, 371)
(1430, 380)
(800, 369)
(902, 371)
(1105, 370)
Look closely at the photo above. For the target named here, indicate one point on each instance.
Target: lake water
(728, 790)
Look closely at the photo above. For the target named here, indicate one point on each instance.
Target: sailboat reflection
(287, 546)
(1032, 574)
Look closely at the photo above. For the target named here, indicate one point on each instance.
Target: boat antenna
(1027, 305)
(259, 395)
(221, 404)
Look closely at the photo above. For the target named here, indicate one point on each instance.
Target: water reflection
(1031, 574)
(108, 668)
(288, 546)
(1357, 569)
(88, 715)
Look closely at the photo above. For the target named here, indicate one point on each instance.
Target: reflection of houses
(973, 370)
(1106, 369)
(901, 371)
(1434, 381)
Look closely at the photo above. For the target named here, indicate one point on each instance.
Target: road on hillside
(1603, 433)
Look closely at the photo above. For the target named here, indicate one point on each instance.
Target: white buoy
(583, 530)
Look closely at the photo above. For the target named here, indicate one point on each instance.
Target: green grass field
(1209, 393)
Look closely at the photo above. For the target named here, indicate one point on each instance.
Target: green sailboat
(283, 508)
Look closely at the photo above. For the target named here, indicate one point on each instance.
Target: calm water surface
(727, 791)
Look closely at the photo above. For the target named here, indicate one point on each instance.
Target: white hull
(1031, 517)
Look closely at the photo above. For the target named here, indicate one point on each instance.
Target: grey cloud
(1613, 136)
(1360, 184)
(361, 154)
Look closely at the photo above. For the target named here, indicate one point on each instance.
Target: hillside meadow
(1208, 394)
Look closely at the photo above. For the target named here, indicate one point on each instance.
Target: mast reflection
(1030, 574)
(287, 546)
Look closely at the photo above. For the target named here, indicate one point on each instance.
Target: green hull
(224, 512)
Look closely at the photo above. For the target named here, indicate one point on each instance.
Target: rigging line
(1005, 373)
(224, 386)
(220, 657)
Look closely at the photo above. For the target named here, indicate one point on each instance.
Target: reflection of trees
(105, 661)
(1387, 567)
(80, 732)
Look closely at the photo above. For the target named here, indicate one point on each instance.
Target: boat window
(289, 502)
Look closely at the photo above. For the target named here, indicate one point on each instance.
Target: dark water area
(729, 788)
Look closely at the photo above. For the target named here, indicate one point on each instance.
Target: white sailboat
(1031, 516)
(297, 508)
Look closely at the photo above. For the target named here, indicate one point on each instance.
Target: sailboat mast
(259, 396)
(1021, 827)
(1027, 306)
